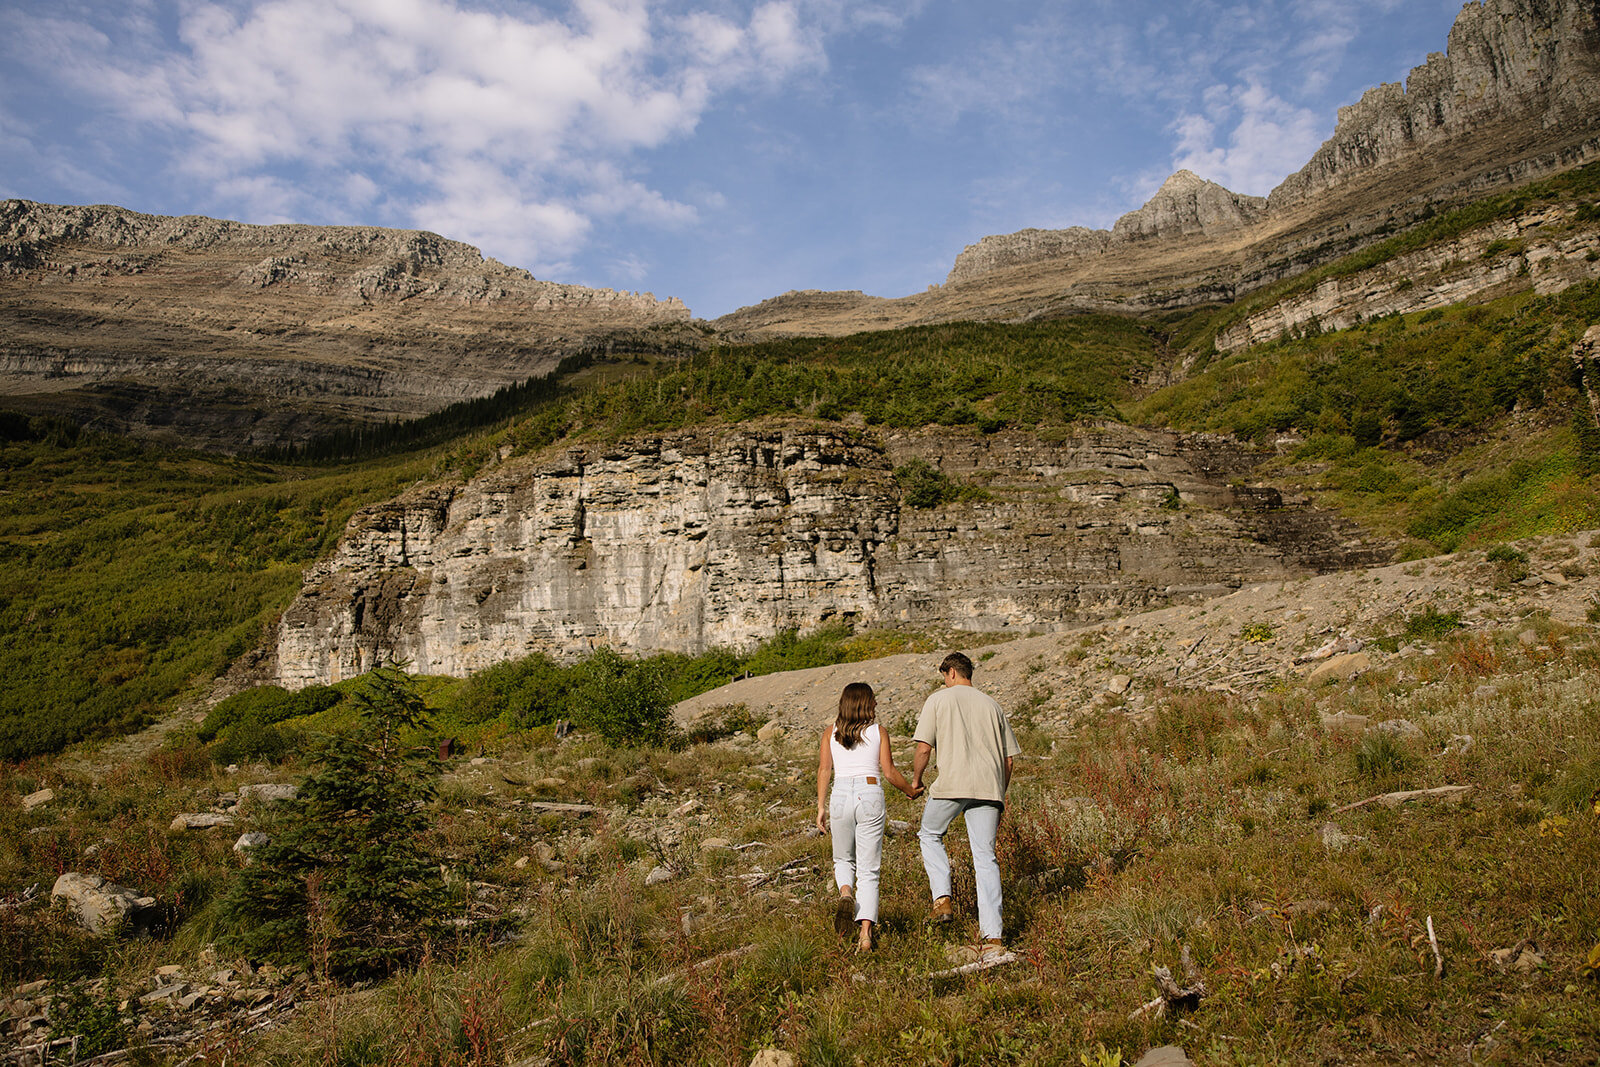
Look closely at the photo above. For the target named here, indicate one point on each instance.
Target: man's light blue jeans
(983, 822)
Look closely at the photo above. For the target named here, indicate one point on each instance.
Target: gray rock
(659, 875)
(33, 800)
(1165, 1056)
(715, 844)
(102, 906)
(268, 793)
(1119, 683)
(772, 731)
(1459, 745)
(204, 820)
(252, 840)
(1335, 839)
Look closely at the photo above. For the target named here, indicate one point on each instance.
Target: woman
(854, 752)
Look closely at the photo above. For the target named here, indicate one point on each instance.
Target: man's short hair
(959, 663)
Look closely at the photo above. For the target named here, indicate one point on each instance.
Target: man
(976, 748)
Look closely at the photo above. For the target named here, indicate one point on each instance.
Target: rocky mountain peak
(1188, 204)
(1532, 66)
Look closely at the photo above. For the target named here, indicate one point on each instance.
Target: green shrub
(1430, 624)
(523, 693)
(624, 701)
(265, 705)
(95, 1021)
(250, 741)
(922, 485)
(1381, 755)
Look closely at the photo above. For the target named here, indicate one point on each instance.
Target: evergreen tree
(346, 883)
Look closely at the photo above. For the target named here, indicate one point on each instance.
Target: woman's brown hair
(857, 709)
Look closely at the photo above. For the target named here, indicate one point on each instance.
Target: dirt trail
(1242, 642)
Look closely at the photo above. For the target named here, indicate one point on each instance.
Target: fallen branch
(1438, 957)
(553, 806)
(977, 965)
(1173, 997)
(1177, 668)
(719, 958)
(1394, 800)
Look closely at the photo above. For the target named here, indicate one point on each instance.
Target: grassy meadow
(1203, 832)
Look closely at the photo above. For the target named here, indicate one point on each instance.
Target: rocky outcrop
(1544, 249)
(230, 335)
(1026, 246)
(1185, 205)
(356, 264)
(1509, 61)
(1517, 97)
(686, 541)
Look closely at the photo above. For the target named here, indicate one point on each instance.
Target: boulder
(1340, 668)
(102, 906)
(658, 875)
(268, 793)
(33, 800)
(1119, 684)
(772, 731)
(250, 841)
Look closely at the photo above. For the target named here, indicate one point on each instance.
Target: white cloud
(510, 124)
(1265, 138)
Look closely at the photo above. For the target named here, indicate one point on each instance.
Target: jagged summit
(1185, 205)
(1188, 204)
(1516, 96)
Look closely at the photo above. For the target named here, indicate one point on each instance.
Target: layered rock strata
(228, 334)
(1512, 101)
(1549, 250)
(1186, 205)
(721, 538)
(1526, 61)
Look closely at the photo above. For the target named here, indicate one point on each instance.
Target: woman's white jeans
(855, 821)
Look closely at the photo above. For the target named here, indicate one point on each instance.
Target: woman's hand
(822, 821)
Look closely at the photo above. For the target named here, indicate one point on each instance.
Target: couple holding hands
(975, 747)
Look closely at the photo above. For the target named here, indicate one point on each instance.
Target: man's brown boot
(943, 912)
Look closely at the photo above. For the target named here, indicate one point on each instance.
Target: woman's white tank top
(857, 762)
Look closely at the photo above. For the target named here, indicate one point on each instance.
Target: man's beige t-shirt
(971, 740)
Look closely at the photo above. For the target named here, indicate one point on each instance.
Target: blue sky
(718, 151)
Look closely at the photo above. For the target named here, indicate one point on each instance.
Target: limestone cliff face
(356, 264)
(1509, 61)
(1549, 249)
(696, 539)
